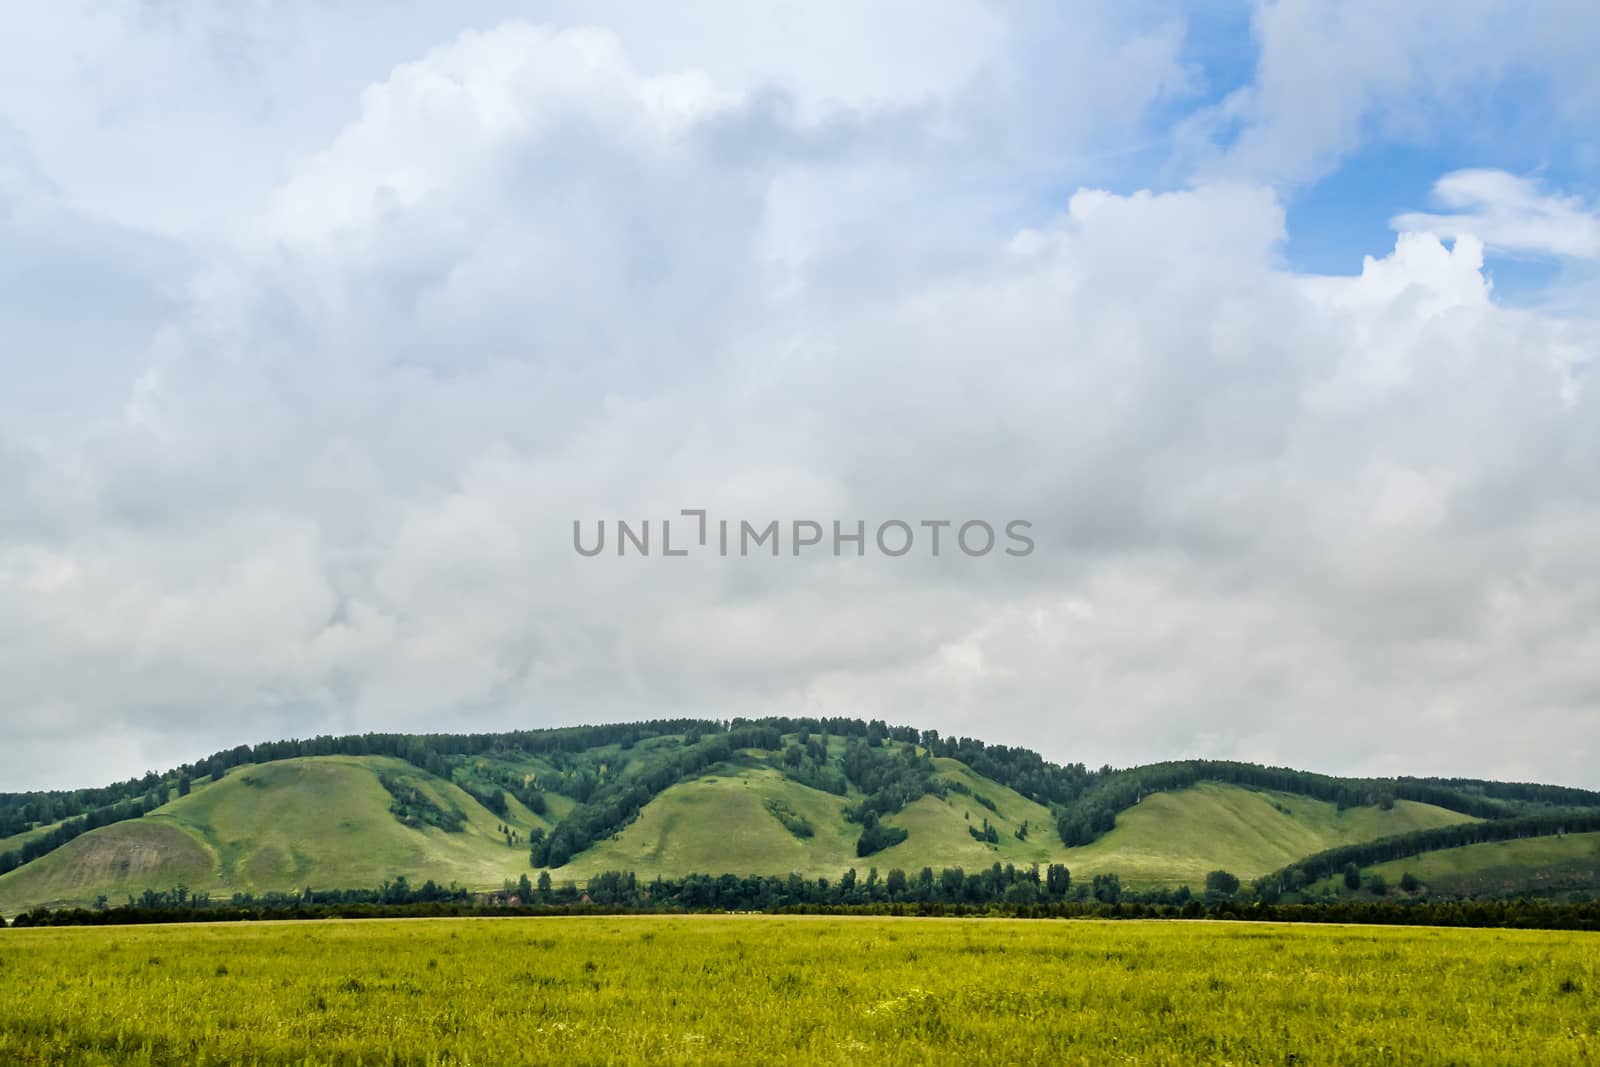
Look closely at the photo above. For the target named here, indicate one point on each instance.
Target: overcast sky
(318, 329)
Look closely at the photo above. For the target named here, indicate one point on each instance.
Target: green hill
(319, 821)
(1541, 865)
(768, 797)
(17, 840)
(1178, 837)
(720, 823)
(326, 822)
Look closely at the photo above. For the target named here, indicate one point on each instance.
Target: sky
(321, 326)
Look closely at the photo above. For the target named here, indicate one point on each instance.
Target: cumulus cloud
(1510, 214)
(537, 274)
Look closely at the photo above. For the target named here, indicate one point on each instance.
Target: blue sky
(1346, 214)
(1343, 208)
(319, 325)
(1341, 218)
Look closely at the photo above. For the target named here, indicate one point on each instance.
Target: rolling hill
(770, 797)
(1177, 838)
(721, 822)
(321, 821)
(1539, 866)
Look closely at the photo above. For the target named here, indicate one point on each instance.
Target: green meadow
(740, 990)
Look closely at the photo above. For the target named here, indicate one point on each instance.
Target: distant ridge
(767, 796)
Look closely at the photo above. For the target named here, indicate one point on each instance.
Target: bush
(416, 809)
(793, 821)
(877, 836)
(1221, 884)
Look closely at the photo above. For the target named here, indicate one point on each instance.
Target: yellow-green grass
(1176, 838)
(741, 990)
(320, 821)
(1494, 868)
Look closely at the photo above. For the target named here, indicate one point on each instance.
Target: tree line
(59, 835)
(1325, 864)
(1094, 812)
(623, 893)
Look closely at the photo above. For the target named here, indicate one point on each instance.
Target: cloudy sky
(320, 324)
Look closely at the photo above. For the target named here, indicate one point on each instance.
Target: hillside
(1541, 865)
(769, 797)
(722, 823)
(319, 821)
(17, 840)
(1176, 838)
(325, 822)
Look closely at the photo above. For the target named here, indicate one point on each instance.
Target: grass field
(765, 989)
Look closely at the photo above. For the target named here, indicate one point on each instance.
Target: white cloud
(1509, 214)
(536, 274)
(1331, 78)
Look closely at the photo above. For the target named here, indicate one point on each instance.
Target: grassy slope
(115, 860)
(1495, 867)
(18, 840)
(325, 822)
(939, 835)
(322, 821)
(720, 824)
(1176, 838)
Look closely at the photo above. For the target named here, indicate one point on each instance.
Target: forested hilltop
(746, 796)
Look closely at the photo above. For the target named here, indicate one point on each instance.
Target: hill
(724, 822)
(767, 797)
(1543, 866)
(318, 821)
(1176, 838)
